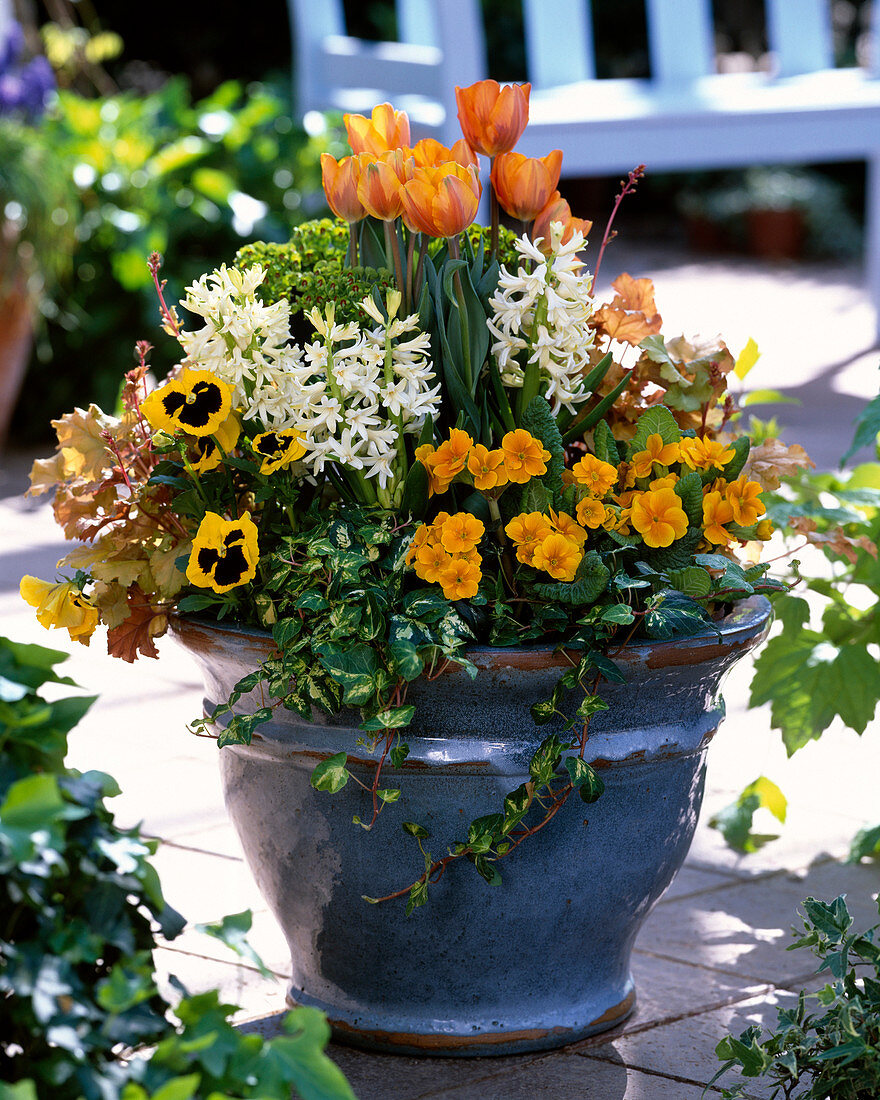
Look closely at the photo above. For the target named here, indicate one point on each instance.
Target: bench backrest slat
(680, 39)
(799, 35)
(415, 22)
(559, 41)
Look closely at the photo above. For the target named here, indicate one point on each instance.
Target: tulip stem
(352, 245)
(455, 254)
(495, 215)
(392, 250)
(410, 251)
(420, 269)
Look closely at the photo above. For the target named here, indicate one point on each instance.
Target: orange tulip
(524, 184)
(429, 153)
(493, 118)
(379, 184)
(340, 179)
(441, 201)
(386, 129)
(557, 210)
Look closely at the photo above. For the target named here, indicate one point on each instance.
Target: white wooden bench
(686, 116)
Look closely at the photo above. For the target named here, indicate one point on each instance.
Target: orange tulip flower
(524, 184)
(379, 184)
(340, 179)
(386, 129)
(441, 201)
(557, 210)
(493, 118)
(429, 153)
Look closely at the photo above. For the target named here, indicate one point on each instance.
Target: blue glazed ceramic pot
(541, 960)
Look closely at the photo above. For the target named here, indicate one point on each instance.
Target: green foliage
(148, 173)
(538, 419)
(735, 820)
(867, 429)
(80, 905)
(834, 1051)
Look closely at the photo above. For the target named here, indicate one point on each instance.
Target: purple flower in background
(24, 88)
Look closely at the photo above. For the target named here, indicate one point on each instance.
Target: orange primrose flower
(642, 463)
(557, 210)
(764, 530)
(524, 456)
(663, 482)
(742, 495)
(461, 533)
(524, 184)
(526, 531)
(592, 513)
(429, 153)
(340, 179)
(716, 512)
(487, 468)
(701, 454)
(460, 579)
(558, 557)
(598, 476)
(450, 457)
(567, 526)
(493, 118)
(385, 129)
(659, 517)
(431, 559)
(441, 201)
(419, 539)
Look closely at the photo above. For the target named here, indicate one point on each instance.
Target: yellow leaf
(770, 795)
(746, 359)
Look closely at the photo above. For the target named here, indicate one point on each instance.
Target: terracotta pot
(16, 341)
(541, 960)
(776, 234)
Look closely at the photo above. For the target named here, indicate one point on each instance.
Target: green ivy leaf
(232, 931)
(390, 719)
(331, 774)
(416, 830)
(589, 785)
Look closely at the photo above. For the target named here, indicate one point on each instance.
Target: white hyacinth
(352, 393)
(541, 315)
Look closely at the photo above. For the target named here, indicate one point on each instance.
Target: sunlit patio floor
(712, 956)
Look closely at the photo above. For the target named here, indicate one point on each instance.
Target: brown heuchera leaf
(135, 635)
(773, 459)
(837, 541)
(632, 315)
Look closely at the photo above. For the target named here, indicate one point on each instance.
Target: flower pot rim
(741, 628)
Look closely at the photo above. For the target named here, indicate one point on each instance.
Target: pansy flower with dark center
(197, 402)
(278, 449)
(211, 449)
(224, 553)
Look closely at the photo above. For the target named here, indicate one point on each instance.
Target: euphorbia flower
(524, 184)
(524, 456)
(197, 402)
(441, 201)
(278, 450)
(385, 129)
(224, 553)
(659, 517)
(493, 118)
(742, 495)
(61, 604)
(429, 153)
(379, 185)
(340, 179)
(557, 210)
(557, 556)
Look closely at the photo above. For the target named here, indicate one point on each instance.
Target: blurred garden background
(170, 127)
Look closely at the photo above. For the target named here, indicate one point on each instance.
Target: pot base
(449, 1040)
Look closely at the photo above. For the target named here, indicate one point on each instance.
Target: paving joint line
(166, 946)
(191, 848)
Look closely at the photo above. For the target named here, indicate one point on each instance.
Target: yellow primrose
(460, 579)
(742, 495)
(61, 604)
(557, 556)
(598, 476)
(659, 517)
(567, 526)
(196, 402)
(655, 452)
(224, 553)
(279, 449)
(461, 533)
(701, 454)
(591, 512)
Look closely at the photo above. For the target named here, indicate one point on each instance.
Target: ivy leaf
(482, 832)
(391, 719)
(354, 669)
(418, 896)
(546, 760)
(232, 931)
(867, 429)
(516, 806)
(589, 785)
(864, 844)
(735, 821)
(389, 794)
(488, 870)
(398, 754)
(591, 705)
(331, 774)
(416, 830)
(671, 614)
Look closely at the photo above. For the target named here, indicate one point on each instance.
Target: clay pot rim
(744, 626)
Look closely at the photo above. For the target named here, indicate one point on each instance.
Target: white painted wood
(415, 22)
(6, 18)
(680, 39)
(799, 36)
(559, 41)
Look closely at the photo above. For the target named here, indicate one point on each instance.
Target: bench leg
(872, 237)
